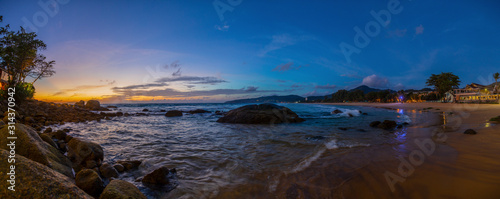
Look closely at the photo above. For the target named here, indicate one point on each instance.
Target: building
(4, 77)
(474, 93)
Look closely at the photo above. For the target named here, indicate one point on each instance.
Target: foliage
(443, 82)
(20, 58)
(496, 76)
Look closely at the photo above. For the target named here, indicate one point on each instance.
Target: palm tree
(496, 76)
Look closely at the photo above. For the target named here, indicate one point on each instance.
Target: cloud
(177, 73)
(399, 87)
(192, 80)
(286, 67)
(169, 92)
(140, 86)
(251, 89)
(419, 30)
(224, 27)
(84, 88)
(375, 81)
(327, 86)
(278, 42)
(174, 64)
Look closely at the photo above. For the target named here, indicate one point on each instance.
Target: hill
(270, 99)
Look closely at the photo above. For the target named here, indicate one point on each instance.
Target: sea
(211, 158)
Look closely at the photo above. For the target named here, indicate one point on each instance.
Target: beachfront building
(4, 77)
(474, 93)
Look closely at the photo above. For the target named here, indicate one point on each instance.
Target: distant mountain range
(296, 98)
(367, 89)
(270, 99)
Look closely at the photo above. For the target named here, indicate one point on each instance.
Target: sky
(214, 51)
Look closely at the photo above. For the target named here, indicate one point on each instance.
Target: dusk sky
(214, 51)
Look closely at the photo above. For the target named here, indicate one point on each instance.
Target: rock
(375, 123)
(198, 111)
(130, 164)
(60, 135)
(30, 145)
(336, 111)
(361, 130)
(343, 128)
(89, 181)
(261, 114)
(68, 138)
(49, 140)
(34, 180)
(158, 178)
(470, 132)
(93, 105)
(120, 168)
(119, 114)
(48, 130)
(173, 113)
(84, 154)
(405, 123)
(80, 104)
(119, 189)
(365, 113)
(388, 125)
(145, 110)
(29, 119)
(1, 123)
(350, 115)
(163, 110)
(112, 107)
(108, 171)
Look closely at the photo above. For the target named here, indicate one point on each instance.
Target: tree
(42, 69)
(443, 82)
(19, 55)
(496, 76)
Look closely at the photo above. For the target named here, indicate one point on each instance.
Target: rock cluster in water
(53, 163)
(261, 114)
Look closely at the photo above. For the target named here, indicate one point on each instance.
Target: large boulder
(80, 104)
(130, 164)
(157, 177)
(93, 105)
(119, 189)
(173, 113)
(198, 111)
(34, 180)
(84, 154)
(470, 132)
(89, 181)
(108, 171)
(30, 145)
(261, 114)
(387, 125)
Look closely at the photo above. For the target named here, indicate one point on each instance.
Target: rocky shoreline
(53, 163)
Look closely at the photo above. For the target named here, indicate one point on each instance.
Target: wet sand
(431, 158)
(462, 166)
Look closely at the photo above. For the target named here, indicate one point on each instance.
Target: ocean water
(210, 156)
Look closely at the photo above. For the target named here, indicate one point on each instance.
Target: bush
(23, 91)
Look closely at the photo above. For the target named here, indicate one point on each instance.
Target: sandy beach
(461, 166)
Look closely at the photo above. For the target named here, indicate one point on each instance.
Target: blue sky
(184, 51)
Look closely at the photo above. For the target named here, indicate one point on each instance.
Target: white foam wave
(307, 162)
(347, 112)
(332, 144)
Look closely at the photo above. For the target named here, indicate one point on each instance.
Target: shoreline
(466, 166)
